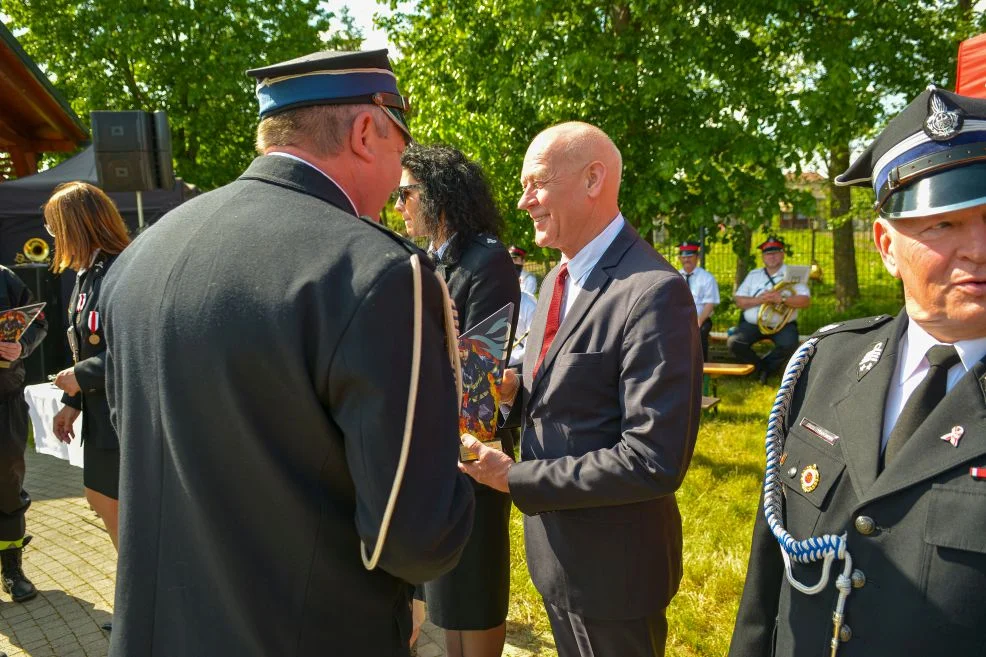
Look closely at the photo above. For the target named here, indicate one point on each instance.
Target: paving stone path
(72, 563)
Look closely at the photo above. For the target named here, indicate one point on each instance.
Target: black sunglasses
(403, 189)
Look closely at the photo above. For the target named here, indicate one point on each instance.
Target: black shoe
(108, 626)
(13, 580)
(762, 377)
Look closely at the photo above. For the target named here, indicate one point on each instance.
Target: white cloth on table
(44, 400)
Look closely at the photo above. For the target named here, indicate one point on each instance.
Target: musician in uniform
(528, 282)
(881, 457)
(14, 500)
(756, 290)
(704, 289)
(277, 367)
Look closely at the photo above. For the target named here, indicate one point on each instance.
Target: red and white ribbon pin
(954, 436)
(93, 321)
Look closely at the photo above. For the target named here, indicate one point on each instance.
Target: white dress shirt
(582, 264)
(758, 281)
(703, 287)
(912, 366)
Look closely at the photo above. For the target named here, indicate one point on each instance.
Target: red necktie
(554, 314)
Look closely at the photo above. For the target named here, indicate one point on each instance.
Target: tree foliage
(709, 102)
(187, 57)
(657, 76)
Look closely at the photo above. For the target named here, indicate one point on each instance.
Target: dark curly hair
(454, 191)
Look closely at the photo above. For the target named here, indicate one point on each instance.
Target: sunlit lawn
(718, 501)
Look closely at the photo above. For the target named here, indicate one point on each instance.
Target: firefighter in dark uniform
(881, 458)
(277, 371)
(14, 500)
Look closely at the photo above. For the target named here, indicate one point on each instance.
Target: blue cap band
(312, 88)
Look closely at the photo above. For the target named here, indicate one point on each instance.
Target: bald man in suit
(609, 406)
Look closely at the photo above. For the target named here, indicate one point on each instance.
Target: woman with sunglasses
(445, 198)
(89, 233)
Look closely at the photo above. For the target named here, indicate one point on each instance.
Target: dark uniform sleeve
(757, 617)
(491, 287)
(91, 372)
(21, 296)
(369, 381)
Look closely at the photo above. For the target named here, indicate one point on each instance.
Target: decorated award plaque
(483, 351)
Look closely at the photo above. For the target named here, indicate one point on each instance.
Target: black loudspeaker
(123, 143)
(52, 355)
(162, 151)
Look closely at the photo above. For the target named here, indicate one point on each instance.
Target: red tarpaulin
(970, 76)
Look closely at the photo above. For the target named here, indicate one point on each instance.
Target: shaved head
(580, 143)
(571, 180)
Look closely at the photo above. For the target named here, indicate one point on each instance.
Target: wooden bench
(712, 372)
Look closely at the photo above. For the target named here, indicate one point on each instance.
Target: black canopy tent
(21, 218)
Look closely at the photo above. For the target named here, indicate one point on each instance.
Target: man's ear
(595, 176)
(884, 238)
(360, 136)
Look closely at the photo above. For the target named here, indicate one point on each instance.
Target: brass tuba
(35, 250)
(773, 316)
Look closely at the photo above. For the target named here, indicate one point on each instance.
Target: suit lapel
(926, 454)
(861, 410)
(594, 285)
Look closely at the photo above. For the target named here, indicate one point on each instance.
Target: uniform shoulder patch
(486, 240)
(858, 325)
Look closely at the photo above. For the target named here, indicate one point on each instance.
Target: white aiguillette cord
(412, 398)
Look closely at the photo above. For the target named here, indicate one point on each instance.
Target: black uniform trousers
(578, 636)
(14, 500)
(785, 341)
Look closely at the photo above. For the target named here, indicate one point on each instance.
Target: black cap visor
(943, 191)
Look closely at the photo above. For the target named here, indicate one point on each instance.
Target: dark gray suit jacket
(610, 422)
(924, 561)
(258, 362)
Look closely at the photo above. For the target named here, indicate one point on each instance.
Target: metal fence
(879, 292)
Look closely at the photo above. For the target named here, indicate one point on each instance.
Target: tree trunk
(742, 240)
(843, 246)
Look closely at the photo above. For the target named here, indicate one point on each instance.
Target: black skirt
(101, 471)
(474, 595)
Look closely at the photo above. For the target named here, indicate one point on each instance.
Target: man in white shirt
(883, 466)
(703, 287)
(756, 290)
(528, 281)
(609, 407)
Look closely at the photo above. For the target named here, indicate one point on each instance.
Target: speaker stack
(133, 150)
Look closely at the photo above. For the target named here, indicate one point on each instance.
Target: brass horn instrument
(773, 316)
(35, 250)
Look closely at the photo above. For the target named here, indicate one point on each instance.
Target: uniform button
(845, 633)
(865, 525)
(793, 472)
(858, 578)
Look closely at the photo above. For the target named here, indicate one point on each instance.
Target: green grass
(718, 501)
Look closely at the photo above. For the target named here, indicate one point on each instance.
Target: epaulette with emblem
(852, 325)
(486, 240)
(408, 245)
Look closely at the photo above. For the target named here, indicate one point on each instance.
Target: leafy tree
(849, 65)
(187, 57)
(659, 77)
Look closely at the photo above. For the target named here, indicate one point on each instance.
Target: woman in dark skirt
(89, 233)
(446, 198)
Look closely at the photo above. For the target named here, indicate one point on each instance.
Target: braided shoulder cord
(821, 548)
